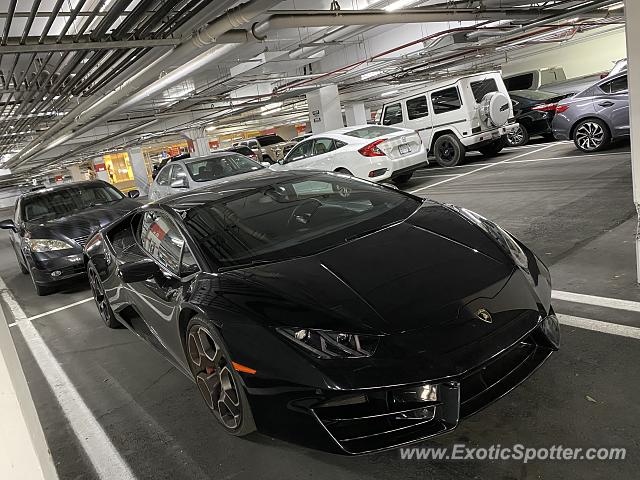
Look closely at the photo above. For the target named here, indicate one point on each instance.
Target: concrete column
(76, 174)
(632, 14)
(100, 174)
(356, 114)
(140, 174)
(200, 141)
(325, 112)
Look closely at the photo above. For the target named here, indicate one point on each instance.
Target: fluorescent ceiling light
(271, 107)
(390, 92)
(398, 4)
(367, 75)
(211, 128)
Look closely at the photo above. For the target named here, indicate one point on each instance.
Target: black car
(327, 310)
(51, 226)
(534, 111)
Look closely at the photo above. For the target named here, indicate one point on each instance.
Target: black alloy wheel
(448, 151)
(217, 380)
(102, 302)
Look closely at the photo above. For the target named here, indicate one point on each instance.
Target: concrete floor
(575, 210)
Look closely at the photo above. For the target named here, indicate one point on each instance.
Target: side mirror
(133, 193)
(138, 271)
(180, 183)
(8, 225)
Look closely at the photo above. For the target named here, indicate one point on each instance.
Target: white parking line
(55, 310)
(484, 167)
(595, 300)
(599, 326)
(106, 460)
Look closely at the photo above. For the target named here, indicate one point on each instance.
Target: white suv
(453, 116)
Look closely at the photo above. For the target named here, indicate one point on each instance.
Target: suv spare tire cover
(495, 107)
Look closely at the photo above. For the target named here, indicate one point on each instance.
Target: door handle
(606, 104)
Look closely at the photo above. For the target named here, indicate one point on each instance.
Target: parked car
(242, 150)
(534, 111)
(293, 142)
(266, 292)
(619, 67)
(181, 175)
(268, 148)
(453, 116)
(159, 166)
(596, 116)
(50, 227)
(372, 152)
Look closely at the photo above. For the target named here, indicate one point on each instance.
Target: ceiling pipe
(146, 83)
(569, 13)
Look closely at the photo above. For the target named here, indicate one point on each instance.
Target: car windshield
(371, 132)
(220, 166)
(293, 218)
(61, 202)
(270, 140)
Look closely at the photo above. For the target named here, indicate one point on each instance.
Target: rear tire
(448, 151)
(219, 383)
(402, 179)
(518, 137)
(493, 148)
(591, 135)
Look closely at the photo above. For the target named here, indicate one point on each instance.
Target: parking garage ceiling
(81, 77)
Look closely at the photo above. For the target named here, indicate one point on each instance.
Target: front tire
(591, 135)
(23, 266)
(102, 302)
(219, 383)
(518, 137)
(448, 151)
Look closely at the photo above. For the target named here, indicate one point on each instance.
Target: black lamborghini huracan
(327, 310)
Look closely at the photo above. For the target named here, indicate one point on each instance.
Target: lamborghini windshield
(293, 218)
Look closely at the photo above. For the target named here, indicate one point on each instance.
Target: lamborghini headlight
(328, 344)
(501, 236)
(39, 245)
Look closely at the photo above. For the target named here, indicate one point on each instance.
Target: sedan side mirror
(133, 193)
(180, 183)
(138, 271)
(8, 225)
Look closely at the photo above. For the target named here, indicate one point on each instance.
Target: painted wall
(585, 54)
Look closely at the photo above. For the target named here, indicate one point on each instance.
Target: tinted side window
(519, 82)
(446, 100)
(482, 87)
(163, 176)
(392, 114)
(300, 151)
(615, 86)
(161, 239)
(417, 107)
(322, 145)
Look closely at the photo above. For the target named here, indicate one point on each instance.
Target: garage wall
(585, 54)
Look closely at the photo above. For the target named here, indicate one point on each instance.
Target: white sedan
(372, 152)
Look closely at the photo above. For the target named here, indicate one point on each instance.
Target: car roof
(231, 185)
(62, 186)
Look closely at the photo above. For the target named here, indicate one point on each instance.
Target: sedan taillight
(372, 149)
(562, 108)
(547, 107)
